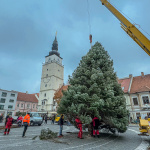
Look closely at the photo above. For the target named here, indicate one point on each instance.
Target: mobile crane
(129, 28)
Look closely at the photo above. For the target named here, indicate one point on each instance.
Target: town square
(74, 75)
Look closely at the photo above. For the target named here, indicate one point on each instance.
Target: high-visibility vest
(26, 119)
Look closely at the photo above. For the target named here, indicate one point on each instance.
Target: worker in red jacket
(79, 125)
(96, 124)
(8, 125)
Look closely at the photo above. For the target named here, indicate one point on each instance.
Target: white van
(35, 118)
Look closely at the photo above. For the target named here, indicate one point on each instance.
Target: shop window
(138, 115)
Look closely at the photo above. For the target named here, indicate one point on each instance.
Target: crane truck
(129, 28)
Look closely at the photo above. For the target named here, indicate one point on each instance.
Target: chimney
(26, 92)
(142, 74)
(130, 75)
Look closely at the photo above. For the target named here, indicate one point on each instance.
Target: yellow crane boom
(129, 28)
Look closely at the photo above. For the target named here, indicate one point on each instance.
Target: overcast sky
(28, 27)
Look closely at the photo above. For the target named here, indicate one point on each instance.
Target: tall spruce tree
(94, 91)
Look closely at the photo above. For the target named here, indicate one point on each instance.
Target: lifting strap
(89, 23)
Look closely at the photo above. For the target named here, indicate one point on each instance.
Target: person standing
(9, 123)
(53, 118)
(61, 122)
(45, 119)
(20, 119)
(1, 118)
(79, 125)
(96, 124)
(6, 119)
(26, 122)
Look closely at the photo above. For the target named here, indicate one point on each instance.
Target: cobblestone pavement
(107, 141)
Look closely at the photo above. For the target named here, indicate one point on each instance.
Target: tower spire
(55, 43)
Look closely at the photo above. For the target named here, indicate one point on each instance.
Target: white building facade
(7, 102)
(52, 78)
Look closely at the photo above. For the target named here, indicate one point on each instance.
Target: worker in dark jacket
(96, 124)
(9, 123)
(61, 122)
(45, 119)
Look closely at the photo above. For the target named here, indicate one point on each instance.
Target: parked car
(35, 118)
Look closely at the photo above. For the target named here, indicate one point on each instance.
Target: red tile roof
(58, 93)
(125, 84)
(27, 97)
(140, 84)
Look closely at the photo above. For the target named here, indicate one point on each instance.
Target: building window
(145, 99)
(43, 102)
(1, 107)
(10, 106)
(135, 101)
(18, 105)
(33, 105)
(46, 75)
(11, 101)
(28, 105)
(47, 69)
(12, 95)
(21, 105)
(2, 100)
(4, 94)
(45, 94)
(45, 85)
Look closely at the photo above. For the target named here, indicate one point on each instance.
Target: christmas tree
(94, 91)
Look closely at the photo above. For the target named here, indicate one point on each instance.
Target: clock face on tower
(46, 80)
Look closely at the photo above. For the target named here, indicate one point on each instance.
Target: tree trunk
(90, 129)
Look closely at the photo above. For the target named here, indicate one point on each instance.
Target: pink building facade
(26, 102)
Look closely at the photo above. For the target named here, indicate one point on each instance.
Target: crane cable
(89, 23)
(134, 23)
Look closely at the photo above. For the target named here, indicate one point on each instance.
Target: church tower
(52, 78)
